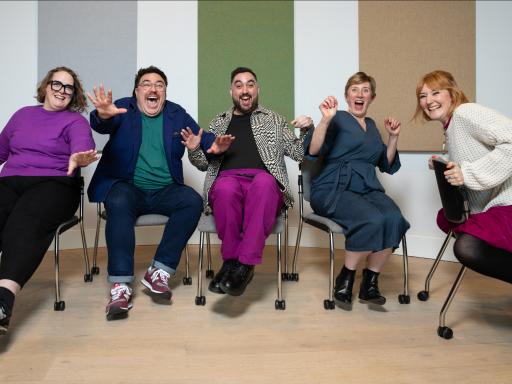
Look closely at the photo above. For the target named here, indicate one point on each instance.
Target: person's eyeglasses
(57, 86)
(147, 85)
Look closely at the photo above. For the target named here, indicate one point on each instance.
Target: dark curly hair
(78, 101)
(145, 71)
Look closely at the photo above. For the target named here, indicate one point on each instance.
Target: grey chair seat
(327, 224)
(207, 224)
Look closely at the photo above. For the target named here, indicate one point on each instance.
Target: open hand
(190, 140)
(81, 159)
(103, 103)
(329, 107)
(221, 144)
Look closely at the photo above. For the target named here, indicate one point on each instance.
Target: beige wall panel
(400, 41)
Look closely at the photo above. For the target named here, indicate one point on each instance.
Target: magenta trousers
(245, 204)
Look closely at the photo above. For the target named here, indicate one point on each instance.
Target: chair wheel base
(209, 273)
(280, 305)
(95, 270)
(200, 300)
(423, 296)
(88, 278)
(187, 280)
(59, 305)
(445, 332)
(404, 299)
(329, 304)
(294, 277)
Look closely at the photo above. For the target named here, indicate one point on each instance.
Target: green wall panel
(254, 34)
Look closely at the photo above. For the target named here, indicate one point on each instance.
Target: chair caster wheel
(294, 277)
(200, 300)
(95, 270)
(88, 278)
(59, 305)
(280, 305)
(404, 299)
(328, 304)
(285, 276)
(187, 280)
(445, 332)
(209, 274)
(423, 296)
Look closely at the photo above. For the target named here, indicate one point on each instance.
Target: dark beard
(238, 106)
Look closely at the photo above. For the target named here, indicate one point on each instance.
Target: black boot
(227, 267)
(6, 304)
(369, 290)
(343, 287)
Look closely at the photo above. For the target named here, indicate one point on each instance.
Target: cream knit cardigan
(479, 139)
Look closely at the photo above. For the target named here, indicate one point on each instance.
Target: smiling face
(436, 103)
(244, 92)
(151, 94)
(56, 99)
(359, 97)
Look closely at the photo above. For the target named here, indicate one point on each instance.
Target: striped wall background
(302, 51)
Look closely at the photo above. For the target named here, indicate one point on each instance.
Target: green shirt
(151, 170)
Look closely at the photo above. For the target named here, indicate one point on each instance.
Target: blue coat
(120, 154)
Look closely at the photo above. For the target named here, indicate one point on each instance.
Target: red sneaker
(157, 281)
(120, 302)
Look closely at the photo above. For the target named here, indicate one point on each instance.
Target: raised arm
(328, 107)
(393, 127)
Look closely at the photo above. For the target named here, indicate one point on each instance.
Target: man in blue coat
(141, 172)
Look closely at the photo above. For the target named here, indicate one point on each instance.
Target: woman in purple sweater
(41, 147)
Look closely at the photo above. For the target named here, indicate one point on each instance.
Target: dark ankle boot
(343, 286)
(369, 290)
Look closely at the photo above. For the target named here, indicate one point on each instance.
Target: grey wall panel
(96, 39)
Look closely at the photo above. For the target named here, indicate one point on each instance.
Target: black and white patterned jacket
(274, 141)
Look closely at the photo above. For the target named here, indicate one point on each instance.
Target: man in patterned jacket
(247, 186)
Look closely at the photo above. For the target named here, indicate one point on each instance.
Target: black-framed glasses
(57, 86)
(147, 85)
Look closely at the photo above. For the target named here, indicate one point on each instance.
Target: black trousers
(31, 209)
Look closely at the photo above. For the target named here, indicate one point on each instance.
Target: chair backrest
(309, 170)
(454, 199)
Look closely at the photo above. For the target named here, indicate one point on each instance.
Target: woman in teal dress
(347, 189)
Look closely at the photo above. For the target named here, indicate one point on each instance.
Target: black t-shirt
(243, 152)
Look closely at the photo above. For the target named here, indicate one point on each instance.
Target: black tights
(483, 258)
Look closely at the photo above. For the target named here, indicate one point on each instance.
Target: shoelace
(3, 315)
(116, 292)
(160, 274)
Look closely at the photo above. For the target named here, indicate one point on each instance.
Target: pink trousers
(245, 204)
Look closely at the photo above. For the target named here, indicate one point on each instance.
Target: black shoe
(235, 281)
(5, 316)
(343, 287)
(227, 267)
(369, 290)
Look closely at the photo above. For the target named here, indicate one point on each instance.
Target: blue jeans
(125, 202)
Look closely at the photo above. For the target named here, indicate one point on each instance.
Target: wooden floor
(245, 340)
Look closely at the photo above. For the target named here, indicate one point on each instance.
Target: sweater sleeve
(4, 140)
(80, 135)
(493, 130)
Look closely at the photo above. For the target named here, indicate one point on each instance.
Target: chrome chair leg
(286, 276)
(209, 270)
(423, 295)
(200, 298)
(58, 305)
(95, 270)
(329, 303)
(294, 276)
(87, 274)
(444, 331)
(187, 280)
(405, 298)
(280, 304)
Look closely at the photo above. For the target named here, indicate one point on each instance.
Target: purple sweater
(37, 142)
